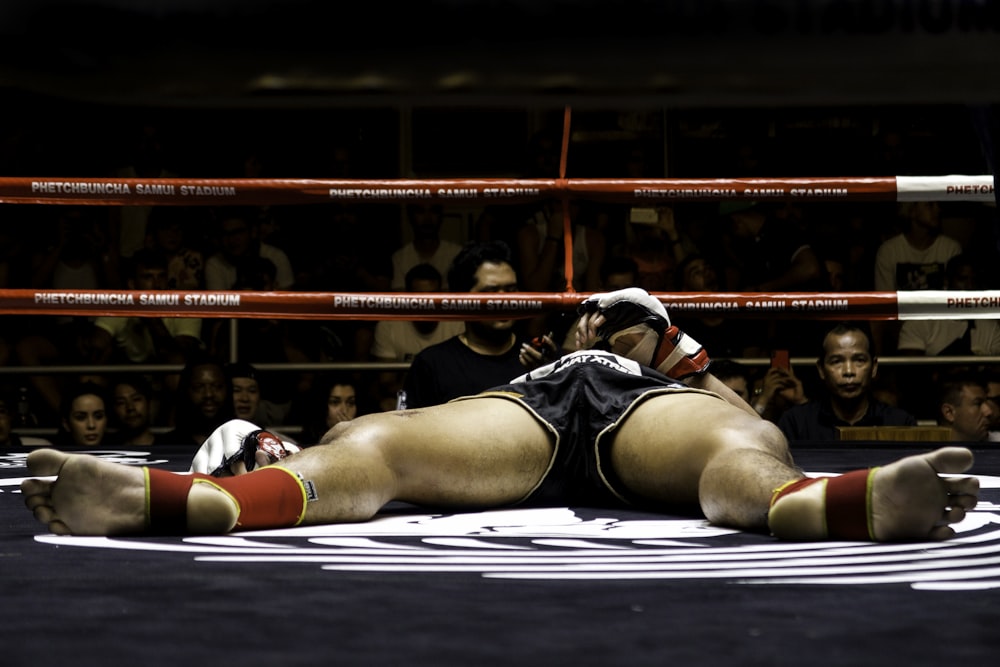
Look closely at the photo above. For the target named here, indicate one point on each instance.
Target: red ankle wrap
(166, 500)
(270, 497)
(848, 503)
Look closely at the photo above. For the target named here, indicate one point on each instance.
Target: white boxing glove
(662, 346)
(239, 441)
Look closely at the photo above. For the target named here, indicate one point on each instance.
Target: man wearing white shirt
(427, 246)
(237, 239)
(952, 337)
(145, 339)
(915, 258)
(398, 340)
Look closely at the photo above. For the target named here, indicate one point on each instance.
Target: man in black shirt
(486, 353)
(847, 368)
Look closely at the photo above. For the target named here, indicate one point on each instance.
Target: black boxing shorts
(581, 399)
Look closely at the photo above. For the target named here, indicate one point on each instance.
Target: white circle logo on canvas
(564, 544)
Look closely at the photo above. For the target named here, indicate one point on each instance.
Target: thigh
(661, 449)
(473, 452)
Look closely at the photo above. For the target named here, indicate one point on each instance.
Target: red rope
(472, 306)
(238, 191)
(568, 267)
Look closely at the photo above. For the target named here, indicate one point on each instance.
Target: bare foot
(911, 501)
(89, 496)
(95, 497)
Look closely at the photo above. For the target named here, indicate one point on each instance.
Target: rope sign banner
(930, 304)
(233, 191)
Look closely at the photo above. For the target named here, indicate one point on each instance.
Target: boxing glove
(661, 346)
(238, 440)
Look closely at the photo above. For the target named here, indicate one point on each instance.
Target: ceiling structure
(598, 53)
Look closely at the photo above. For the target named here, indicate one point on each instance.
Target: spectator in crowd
(768, 254)
(778, 390)
(267, 341)
(487, 352)
(657, 247)
(333, 400)
(503, 222)
(15, 262)
(965, 406)
(78, 255)
(132, 404)
(402, 340)
(167, 234)
(84, 416)
(238, 229)
(244, 385)
(398, 340)
(426, 247)
(144, 157)
(972, 337)
(734, 375)
(351, 254)
(952, 337)
(917, 257)
(149, 340)
(846, 368)
(245, 390)
(541, 254)
(203, 401)
(9, 439)
(992, 377)
(914, 259)
(731, 337)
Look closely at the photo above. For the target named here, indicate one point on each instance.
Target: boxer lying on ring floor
(645, 424)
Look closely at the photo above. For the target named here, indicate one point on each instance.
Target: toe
(44, 513)
(46, 462)
(941, 533)
(35, 487)
(954, 514)
(950, 459)
(962, 486)
(59, 528)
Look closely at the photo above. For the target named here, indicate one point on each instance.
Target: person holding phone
(779, 389)
(847, 368)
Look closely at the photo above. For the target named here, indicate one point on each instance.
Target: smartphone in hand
(781, 359)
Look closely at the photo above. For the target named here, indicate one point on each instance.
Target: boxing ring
(535, 586)
(902, 305)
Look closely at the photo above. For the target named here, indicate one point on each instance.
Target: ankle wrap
(166, 500)
(847, 503)
(270, 497)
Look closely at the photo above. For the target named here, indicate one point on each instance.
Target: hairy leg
(476, 453)
(480, 452)
(731, 463)
(695, 449)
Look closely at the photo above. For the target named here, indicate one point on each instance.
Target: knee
(758, 434)
(769, 438)
(334, 433)
(366, 432)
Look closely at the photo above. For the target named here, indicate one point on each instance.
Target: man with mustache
(965, 406)
(847, 368)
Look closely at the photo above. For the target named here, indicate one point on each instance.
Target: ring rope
(567, 220)
(901, 305)
(235, 191)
